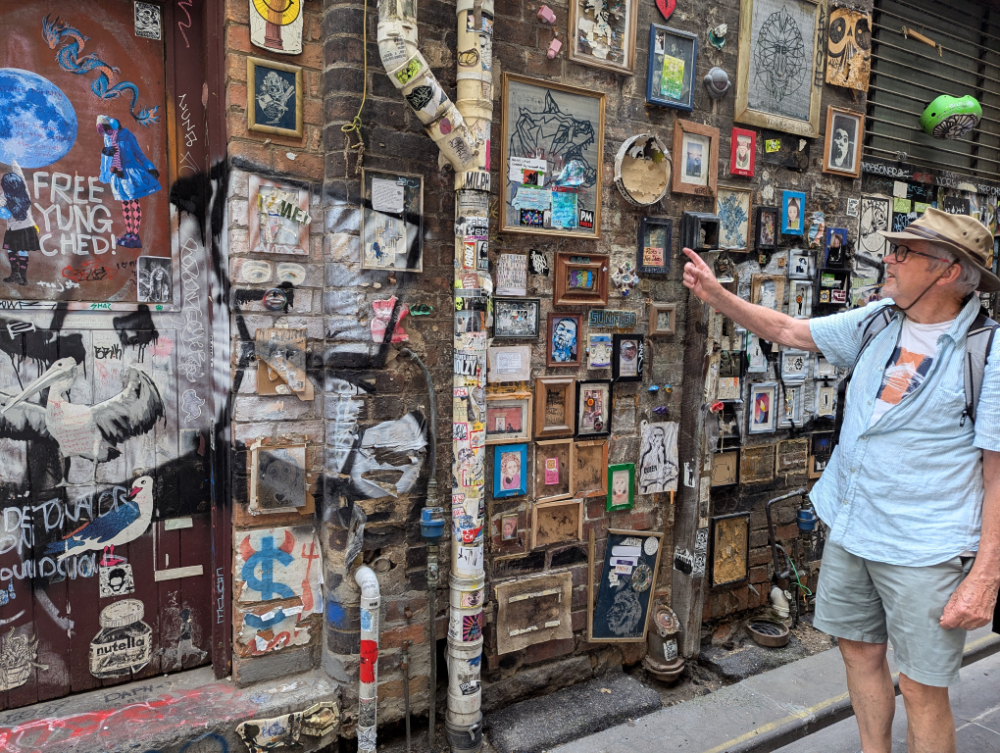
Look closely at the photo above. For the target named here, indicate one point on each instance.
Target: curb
(840, 708)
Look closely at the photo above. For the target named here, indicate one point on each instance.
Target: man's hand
(699, 278)
(971, 606)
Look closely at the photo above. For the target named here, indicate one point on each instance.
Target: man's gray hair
(969, 274)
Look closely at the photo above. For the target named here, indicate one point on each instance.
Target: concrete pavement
(761, 713)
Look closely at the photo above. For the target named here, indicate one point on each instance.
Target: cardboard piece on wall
(282, 369)
(286, 486)
(533, 611)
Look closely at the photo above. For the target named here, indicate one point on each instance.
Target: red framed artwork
(743, 152)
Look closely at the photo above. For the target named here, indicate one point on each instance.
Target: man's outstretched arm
(769, 325)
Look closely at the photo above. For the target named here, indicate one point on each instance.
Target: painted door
(105, 373)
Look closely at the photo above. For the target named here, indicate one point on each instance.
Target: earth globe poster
(83, 153)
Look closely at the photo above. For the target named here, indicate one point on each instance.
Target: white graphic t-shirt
(909, 365)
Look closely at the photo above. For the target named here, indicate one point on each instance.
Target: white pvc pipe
(368, 673)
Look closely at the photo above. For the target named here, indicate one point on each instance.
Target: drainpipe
(461, 131)
(368, 673)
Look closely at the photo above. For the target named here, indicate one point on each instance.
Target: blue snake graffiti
(71, 58)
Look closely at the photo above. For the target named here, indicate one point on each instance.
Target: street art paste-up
(278, 479)
(125, 643)
(281, 370)
(658, 467)
(261, 735)
(153, 279)
(265, 629)
(849, 49)
(276, 25)
(279, 563)
(17, 658)
(279, 218)
(72, 196)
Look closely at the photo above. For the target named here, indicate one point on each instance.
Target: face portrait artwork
(692, 161)
(510, 470)
(767, 229)
(628, 364)
(508, 529)
(565, 341)
(842, 143)
(743, 152)
(619, 488)
(793, 214)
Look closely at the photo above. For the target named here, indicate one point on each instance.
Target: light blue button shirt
(909, 490)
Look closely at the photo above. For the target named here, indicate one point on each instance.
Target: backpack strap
(978, 343)
(874, 324)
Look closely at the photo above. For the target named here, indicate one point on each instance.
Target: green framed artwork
(621, 486)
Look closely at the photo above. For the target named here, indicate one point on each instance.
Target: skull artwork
(849, 49)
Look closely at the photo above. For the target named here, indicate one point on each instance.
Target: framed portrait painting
(766, 229)
(655, 244)
(563, 341)
(762, 413)
(276, 93)
(672, 62)
(508, 417)
(554, 194)
(732, 205)
(621, 486)
(510, 470)
(742, 152)
(779, 79)
(628, 353)
(603, 35)
(593, 408)
(835, 247)
(516, 318)
(696, 155)
(793, 204)
(845, 131)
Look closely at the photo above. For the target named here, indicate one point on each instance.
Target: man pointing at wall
(911, 495)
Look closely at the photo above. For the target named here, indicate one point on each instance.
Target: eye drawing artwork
(849, 49)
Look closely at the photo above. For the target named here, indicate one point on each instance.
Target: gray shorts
(867, 601)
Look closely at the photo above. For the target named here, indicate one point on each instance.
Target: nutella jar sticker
(124, 644)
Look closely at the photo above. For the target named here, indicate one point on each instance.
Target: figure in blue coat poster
(129, 172)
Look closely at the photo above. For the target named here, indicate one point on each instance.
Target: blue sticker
(366, 620)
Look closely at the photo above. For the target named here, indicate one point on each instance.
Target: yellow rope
(355, 124)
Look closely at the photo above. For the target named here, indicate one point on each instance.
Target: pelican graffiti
(125, 523)
(91, 432)
(71, 58)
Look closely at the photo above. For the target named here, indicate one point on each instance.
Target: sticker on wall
(276, 25)
(266, 630)
(124, 644)
(17, 658)
(116, 580)
(278, 563)
(260, 735)
(153, 279)
(281, 353)
(598, 351)
(386, 323)
(147, 20)
(658, 468)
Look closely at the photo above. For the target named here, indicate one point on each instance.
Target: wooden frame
(591, 455)
(658, 50)
(559, 475)
(613, 470)
(384, 223)
(757, 286)
(512, 400)
(657, 260)
(750, 109)
(540, 511)
(837, 116)
(688, 131)
(757, 463)
(565, 389)
(634, 356)
(252, 103)
(568, 354)
(726, 199)
(592, 607)
(742, 162)
(499, 304)
(521, 488)
(655, 326)
(762, 242)
(565, 294)
(605, 423)
(589, 145)
(627, 33)
(730, 539)
(725, 473)
(503, 367)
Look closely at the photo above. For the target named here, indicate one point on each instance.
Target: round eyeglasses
(900, 253)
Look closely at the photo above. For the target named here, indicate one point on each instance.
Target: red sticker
(666, 7)
(369, 658)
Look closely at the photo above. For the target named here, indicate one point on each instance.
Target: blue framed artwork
(510, 470)
(274, 97)
(672, 58)
(836, 247)
(793, 205)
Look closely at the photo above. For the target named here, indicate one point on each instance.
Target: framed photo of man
(842, 144)
(565, 334)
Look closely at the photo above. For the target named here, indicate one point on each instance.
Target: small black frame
(759, 243)
(624, 346)
(646, 226)
(580, 388)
